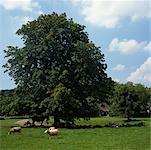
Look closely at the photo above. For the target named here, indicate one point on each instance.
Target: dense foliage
(8, 103)
(131, 100)
(59, 68)
(11, 105)
(128, 100)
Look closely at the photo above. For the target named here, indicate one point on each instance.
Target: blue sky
(122, 29)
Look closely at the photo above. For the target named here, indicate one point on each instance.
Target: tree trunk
(128, 118)
(56, 121)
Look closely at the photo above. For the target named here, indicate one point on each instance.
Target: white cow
(14, 130)
(52, 131)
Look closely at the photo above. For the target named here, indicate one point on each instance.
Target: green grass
(124, 138)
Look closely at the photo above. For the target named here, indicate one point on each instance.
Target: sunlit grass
(124, 138)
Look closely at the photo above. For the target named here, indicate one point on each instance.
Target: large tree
(59, 68)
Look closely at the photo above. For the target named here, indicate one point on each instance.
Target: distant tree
(130, 100)
(144, 95)
(114, 99)
(11, 105)
(8, 103)
(58, 68)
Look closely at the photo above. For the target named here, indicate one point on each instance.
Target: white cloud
(119, 67)
(110, 13)
(31, 6)
(148, 47)
(26, 5)
(142, 74)
(126, 46)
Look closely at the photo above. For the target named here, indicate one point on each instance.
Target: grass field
(122, 138)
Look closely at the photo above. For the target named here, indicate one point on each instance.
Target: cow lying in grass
(52, 131)
(14, 130)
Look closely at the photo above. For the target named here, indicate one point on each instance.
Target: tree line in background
(59, 72)
(128, 100)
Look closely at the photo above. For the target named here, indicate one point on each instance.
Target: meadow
(122, 138)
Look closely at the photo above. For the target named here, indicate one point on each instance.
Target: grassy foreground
(124, 138)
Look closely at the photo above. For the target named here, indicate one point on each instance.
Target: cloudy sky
(121, 27)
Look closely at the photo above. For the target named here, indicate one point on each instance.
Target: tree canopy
(131, 100)
(59, 68)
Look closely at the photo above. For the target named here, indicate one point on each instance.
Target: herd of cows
(52, 131)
